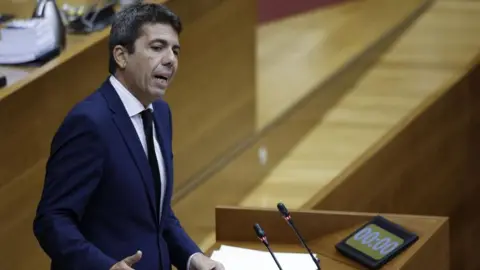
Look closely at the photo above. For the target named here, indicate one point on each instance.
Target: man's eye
(156, 48)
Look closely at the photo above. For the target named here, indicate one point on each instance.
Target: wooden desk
(322, 230)
(213, 94)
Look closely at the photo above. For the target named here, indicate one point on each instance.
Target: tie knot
(147, 116)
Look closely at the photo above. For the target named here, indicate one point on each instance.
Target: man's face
(152, 66)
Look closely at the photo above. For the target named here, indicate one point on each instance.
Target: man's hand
(202, 262)
(128, 262)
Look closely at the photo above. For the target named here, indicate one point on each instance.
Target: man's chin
(157, 92)
(161, 92)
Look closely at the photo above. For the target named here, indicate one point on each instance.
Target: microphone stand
(286, 215)
(263, 238)
(304, 244)
(273, 255)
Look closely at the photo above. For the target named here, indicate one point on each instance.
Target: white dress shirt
(134, 109)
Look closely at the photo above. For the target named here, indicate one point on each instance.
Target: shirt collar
(131, 103)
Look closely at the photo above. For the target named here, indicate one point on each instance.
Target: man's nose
(168, 58)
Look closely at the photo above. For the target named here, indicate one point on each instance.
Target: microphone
(286, 215)
(263, 238)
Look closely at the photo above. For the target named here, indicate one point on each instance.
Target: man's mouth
(161, 78)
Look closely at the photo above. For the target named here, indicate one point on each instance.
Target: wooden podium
(322, 230)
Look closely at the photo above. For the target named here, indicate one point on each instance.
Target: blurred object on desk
(94, 18)
(3, 80)
(6, 17)
(48, 10)
(25, 41)
(13, 74)
(125, 3)
(45, 31)
(73, 12)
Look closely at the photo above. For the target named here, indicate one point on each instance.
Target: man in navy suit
(106, 202)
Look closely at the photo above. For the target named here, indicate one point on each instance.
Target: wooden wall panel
(30, 116)
(430, 167)
(231, 182)
(28, 119)
(212, 95)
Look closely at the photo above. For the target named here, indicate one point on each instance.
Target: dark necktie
(147, 118)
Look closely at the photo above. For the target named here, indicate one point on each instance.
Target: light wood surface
(32, 109)
(322, 230)
(233, 183)
(409, 75)
(426, 162)
(369, 146)
(325, 42)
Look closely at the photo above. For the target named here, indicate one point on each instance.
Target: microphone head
(283, 209)
(258, 230)
(260, 234)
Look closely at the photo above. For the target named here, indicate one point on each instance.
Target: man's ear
(120, 54)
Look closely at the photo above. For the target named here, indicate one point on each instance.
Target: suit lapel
(129, 134)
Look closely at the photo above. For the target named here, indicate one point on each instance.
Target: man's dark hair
(128, 24)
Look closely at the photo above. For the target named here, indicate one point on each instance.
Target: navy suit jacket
(97, 205)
